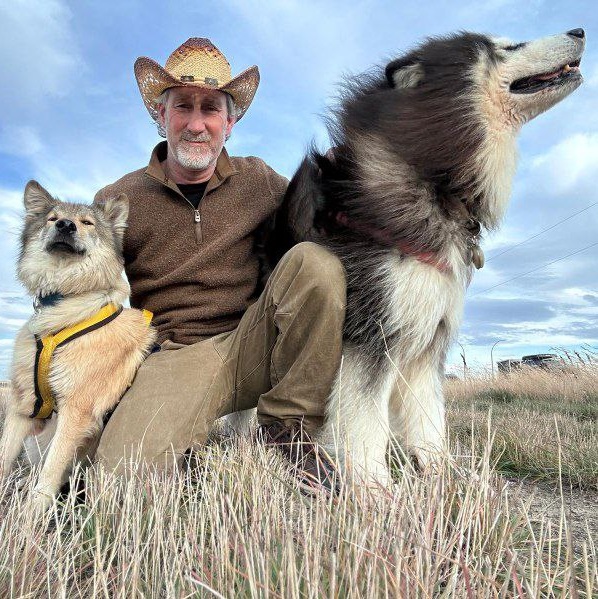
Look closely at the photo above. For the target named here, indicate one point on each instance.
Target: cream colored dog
(79, 352)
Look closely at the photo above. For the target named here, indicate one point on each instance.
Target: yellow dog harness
(44, 398)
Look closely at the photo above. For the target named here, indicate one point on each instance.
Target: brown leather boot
(310, 464)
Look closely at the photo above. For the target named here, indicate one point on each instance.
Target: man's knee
(167, 408)
(319, 268)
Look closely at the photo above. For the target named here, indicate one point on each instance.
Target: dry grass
(237, 527)
(544, 423)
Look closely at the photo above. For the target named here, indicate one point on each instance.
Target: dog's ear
(37, 200)
(404, 73)
(116, 210)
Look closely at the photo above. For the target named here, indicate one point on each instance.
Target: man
(192, 258)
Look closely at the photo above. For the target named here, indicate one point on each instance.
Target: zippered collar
(224, 169)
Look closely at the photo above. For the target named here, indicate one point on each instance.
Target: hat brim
(153, 80)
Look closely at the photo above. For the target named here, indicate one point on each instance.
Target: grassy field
(544, 424)
(236, 526)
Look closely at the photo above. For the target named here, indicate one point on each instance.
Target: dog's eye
(515, 47)
(86, 222)
(51, 219)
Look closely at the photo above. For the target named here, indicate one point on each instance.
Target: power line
(534, 269)
(541, 232)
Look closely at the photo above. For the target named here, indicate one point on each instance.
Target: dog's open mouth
(530, 85)
(65, 247)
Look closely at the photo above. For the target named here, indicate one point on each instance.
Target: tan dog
(71, 262)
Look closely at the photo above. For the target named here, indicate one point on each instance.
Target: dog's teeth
(566, 68)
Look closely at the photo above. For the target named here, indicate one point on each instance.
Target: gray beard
(193, 161)
(190, 159)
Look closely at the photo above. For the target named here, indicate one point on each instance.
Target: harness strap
(44, 402)
(147, 315)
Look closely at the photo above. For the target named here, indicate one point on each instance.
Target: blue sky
(73, 119)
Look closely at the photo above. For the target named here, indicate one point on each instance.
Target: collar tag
(477, 256)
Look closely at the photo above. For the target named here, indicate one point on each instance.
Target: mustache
(201, 137)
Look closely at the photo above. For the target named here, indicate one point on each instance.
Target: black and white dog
(424, 157)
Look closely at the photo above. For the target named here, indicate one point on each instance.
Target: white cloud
(592, 79)
(15, 307)
(298, 32)
(506, 237)
(11, 219)
(576, 295)
(11, 324)
(80, 186)
(20, 140)
(11, 212)
(567, 163)
(241, 141)
(6, 346)
(44, 59)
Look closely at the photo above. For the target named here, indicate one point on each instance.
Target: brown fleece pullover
(196, 270)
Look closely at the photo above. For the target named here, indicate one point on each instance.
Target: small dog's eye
(51, 219)
(86, 222)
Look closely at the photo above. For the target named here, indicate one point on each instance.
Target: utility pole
(491, 355)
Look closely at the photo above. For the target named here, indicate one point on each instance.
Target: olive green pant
(282, 358)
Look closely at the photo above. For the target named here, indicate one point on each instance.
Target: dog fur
(422, 150)
(89, 374)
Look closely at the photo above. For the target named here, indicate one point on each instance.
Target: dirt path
(581, 507)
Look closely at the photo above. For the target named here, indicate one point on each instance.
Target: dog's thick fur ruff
(421, 150)
(76, 251)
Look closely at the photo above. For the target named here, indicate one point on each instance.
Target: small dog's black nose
(577, 33)
(66, 226)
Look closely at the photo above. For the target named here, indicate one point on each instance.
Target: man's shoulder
(251, 163)
(126, 184)
(255, 168)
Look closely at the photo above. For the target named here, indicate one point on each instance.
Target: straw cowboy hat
(195, 63)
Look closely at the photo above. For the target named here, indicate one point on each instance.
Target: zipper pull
(197, 216)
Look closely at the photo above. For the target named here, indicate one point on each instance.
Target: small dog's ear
(37, 200)
(116, 210)
(404, 73)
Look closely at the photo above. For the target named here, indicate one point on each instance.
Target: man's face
(197, 123)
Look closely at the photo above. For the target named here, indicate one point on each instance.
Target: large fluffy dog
(423, 158)
(80, 350)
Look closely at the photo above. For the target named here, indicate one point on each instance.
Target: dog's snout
(579, 32)
(66, 226)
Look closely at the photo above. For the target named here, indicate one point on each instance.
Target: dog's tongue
(548, 76)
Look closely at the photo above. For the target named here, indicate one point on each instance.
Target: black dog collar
(45, 301)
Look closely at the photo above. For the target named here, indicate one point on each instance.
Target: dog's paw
(41, 500)
(427, 460)
(374, 476)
